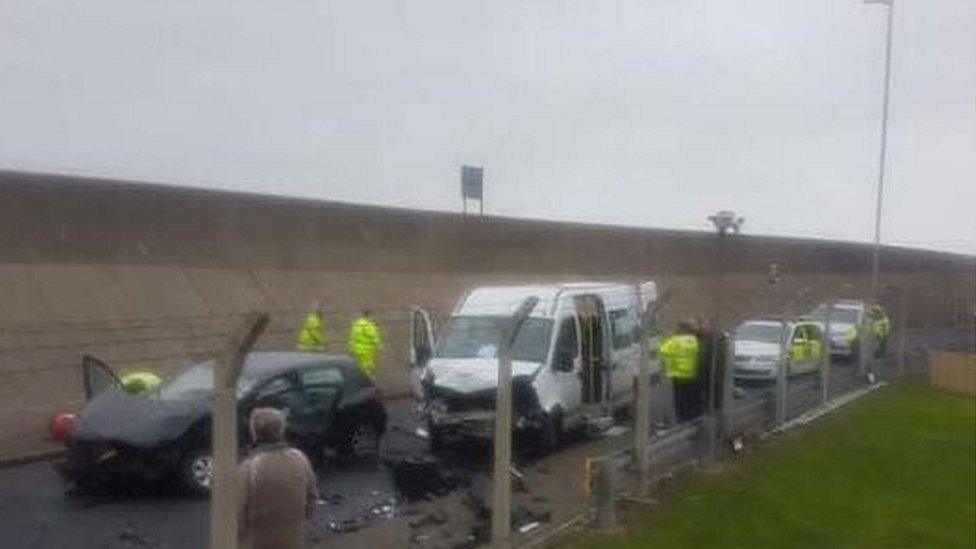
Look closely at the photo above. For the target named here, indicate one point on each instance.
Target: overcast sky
(643, 112)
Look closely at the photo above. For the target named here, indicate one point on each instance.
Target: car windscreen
(767, 333)
(840, 315)
(197, 381)
(478, 337)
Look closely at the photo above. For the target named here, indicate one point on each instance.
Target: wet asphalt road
(36, 511)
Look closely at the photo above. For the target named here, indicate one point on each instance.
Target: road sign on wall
(472, 182)
(472, 187)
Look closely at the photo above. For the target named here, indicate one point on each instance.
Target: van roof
(504, 300)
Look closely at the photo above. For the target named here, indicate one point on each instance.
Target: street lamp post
(876, 251)
(725, 221)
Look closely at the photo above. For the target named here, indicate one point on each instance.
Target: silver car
(847, 322)
(757, 348)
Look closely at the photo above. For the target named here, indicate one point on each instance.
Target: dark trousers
(881, 345)
(687, 399)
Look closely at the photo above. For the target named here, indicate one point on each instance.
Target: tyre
(437, 439)
(196, 472)
(363, 441)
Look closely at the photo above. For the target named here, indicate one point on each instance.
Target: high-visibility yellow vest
(881, 326)
(679, 356)
(364, 343)
(311, 336)
(139, 383)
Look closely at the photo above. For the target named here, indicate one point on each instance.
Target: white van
(574, 364)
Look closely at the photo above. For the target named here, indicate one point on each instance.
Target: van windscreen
(478, 337)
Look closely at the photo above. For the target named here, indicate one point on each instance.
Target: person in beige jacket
(278, 489)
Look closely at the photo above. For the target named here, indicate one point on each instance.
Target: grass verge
(895, 469)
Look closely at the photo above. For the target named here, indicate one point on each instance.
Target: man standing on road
(679, 360)
(712, 346)
(311, 335)
(278, 489)
(365, 342)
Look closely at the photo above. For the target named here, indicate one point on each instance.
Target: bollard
(606, 516)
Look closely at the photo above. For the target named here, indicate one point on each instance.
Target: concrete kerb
(32, 458)
(825, 409)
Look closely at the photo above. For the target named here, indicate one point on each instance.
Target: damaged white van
(574, 359)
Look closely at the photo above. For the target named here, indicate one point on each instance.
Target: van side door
(815, 340)
(421, 349)
(566, 364)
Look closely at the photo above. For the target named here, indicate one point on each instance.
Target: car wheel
(363, 441)
(197, 472)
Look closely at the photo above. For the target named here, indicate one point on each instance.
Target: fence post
(501, 509)
(727, 380)
(605, 500)
(825, 361)
(709, 428)
(902, 331)
(862, 347)
(642, 408)
(223, 497)
(784, 352)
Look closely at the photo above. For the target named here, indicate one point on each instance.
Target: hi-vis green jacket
(679, 356)
(311, 336)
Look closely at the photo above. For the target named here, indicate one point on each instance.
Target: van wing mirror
(421, 338)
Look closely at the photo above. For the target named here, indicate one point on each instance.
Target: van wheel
(196, 471)
(437, 439)
(552, 431)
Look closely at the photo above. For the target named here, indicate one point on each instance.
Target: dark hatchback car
(166, 434)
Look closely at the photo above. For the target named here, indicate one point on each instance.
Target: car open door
(97, 376)
(421, 349)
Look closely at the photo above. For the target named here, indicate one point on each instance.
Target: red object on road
(62, 427)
